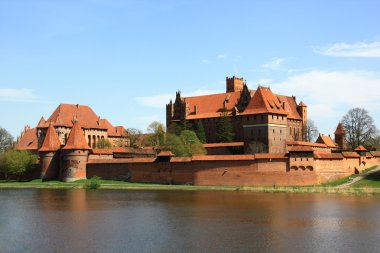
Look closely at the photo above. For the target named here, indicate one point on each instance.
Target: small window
(262, 116)
(254, 117)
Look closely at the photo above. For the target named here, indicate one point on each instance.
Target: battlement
(234, 83)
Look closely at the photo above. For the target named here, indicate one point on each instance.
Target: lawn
(372, 180)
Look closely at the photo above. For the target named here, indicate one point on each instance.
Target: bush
(16, 162)
(93, 183)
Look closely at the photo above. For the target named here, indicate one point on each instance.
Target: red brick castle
(264, 121)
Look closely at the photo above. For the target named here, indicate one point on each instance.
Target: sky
(126, 59)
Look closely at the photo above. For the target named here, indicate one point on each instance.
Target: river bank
(331, 188)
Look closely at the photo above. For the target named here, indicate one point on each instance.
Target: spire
(302, 104)
(340, 129)
(76, 138)
(41, 123)
(51, 141)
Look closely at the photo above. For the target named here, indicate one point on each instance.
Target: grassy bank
(120, 185)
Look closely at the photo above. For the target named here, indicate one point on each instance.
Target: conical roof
(51, 141)
(340, 129)
(76, 138)
(41, 123)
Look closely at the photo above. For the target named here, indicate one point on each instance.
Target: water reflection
(185, 221)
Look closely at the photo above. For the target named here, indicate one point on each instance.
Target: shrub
(93, 183)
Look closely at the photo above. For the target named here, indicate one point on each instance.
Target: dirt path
(358, 178)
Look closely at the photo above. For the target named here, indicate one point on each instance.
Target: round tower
(75, 155)
(340, 136)
(49, 155)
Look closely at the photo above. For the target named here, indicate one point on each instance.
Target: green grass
(372, 180)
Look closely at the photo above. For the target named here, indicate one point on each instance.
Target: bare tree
(310, 131)
(359, 126)
(134, 136)
(6, 140)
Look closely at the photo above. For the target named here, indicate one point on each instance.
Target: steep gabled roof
(210, 106)
(65, 114)
(326, 139)
(76, 138)
(41, 123)
(264, 101)
(51, 141)
(28, 141)
(340, 129)
(360, 148)
(112, 131)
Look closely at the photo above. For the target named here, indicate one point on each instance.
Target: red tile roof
(340, 129)
(122, 160)
(228, 144)
(270, 156)
(99, 151)
(76, 138)
(264, 101)
(350, 154)
(210, 106)
(222, 157)
(360, 148)
(304, 143)
(112, 131)
(300, 149)
(290, 107)
(180, 159)
(327, 155)
(65, 114)
(325, 139)
(28, 140)
(51, 141)
(165, 153)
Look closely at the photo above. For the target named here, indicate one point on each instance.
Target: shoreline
(369, 191)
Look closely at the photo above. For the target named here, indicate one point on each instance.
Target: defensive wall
(292, 169)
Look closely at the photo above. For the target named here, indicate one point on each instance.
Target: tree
(6, 140)
(310, 131)
(174, 128)
(360, 127)
(185, 145)
(200, 131)
(157, 133)
(104, 143)
(193, 146)
(224, 131)
(17, 162)
(135, 136)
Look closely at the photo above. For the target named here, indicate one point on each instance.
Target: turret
(302, 110)
(49, 155)
(234, 84)
(74, 155)
(340, 136)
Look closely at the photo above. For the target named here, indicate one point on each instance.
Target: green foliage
(17, 162)
(6, 140)
(175, 145)
(93, 183)
(104, 143)
(135, 137)
(174, 128)
(200, 131)
(157, 134)
(185, 145)
(192, 144)
(224, 130)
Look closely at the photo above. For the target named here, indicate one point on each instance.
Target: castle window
(262, 116)
(277, 116)
(247, 117)
(272, 116)
(259, 132)
(280, 131)
(273, 130)
(251, 132)
(254, 117)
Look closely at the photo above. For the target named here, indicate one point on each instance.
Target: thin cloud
(359, 49)
(205, 61)
(221, 56)
(18, 95)
(274, 63)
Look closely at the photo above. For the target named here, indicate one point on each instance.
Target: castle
(264, 121)
(269, 126)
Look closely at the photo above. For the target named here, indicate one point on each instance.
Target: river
(47, 220)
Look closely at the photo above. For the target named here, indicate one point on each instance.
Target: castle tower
(49, 155)
(234, 84)
(302, 110)
(74, 155)
(340, 136)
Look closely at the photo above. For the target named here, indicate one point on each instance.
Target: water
(33, 220)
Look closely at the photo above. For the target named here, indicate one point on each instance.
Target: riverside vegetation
(370, 185)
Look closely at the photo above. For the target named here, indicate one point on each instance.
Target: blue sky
(126, 59)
